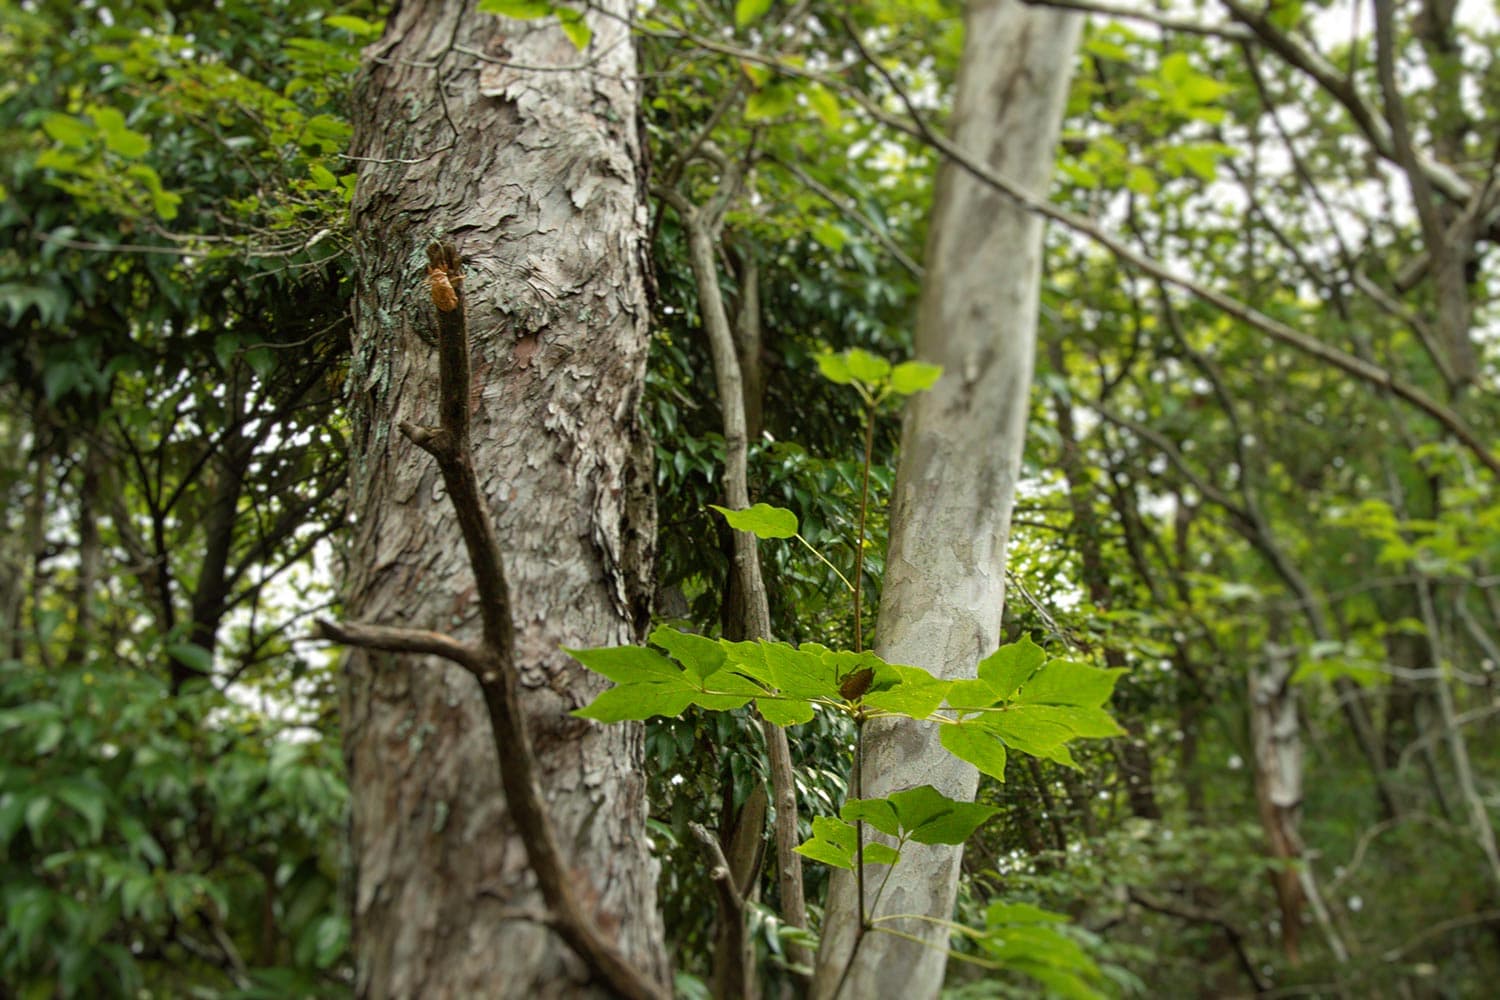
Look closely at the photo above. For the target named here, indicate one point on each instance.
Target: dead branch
(492, 660)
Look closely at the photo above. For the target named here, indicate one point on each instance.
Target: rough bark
(535, 176)
(960, 457)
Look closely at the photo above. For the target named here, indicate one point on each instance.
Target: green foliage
(144, 834)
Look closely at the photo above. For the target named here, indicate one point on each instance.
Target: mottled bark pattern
(534, 175)
(960, 457)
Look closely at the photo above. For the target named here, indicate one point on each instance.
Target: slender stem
(859, 553)
(830, 565)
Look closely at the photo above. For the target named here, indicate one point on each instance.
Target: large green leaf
(921, 814)
(761, 520)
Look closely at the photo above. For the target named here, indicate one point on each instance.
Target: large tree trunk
(960, 456)
(534, 175)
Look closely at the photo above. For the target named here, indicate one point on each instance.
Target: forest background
(1258, 476)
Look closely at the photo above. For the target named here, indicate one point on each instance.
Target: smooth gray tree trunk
(536, 177)
(960, 457)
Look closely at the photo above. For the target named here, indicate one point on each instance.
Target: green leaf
(356, 26)
(628, 664)
(636, 703)
(905, 690)
(88, 800)
(977, 745)
(118, 137)
(762, 520)
(911, 377)
(322, 178)
(66, 129)
(834, 842)
(835, 368)
(192, 656)
(701, 656)
(772, 101)
(868, 368)
(576, 28)
(521, 10)
(824, 104)
(1064, 682)
(747, 12)
(785, 711)
(929, 817)
(879, 813)
(1000, 675)
(829, 235)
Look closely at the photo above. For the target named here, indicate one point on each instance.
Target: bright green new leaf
(835, 368)
(521, 10)
(771, 101)
(747, 12)
(119, 137)
(356, 26)
(869, 368)
(66, 129)
(576, 28)
(911, 377)
(761, 520)
(824, 104)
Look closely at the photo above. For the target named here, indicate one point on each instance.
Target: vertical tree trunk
(534, 175)
(960, 456)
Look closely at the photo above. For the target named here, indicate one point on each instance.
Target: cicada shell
(443, 294)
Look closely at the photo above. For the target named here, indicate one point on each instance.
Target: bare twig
(491, 662)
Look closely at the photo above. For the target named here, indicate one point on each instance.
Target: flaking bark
(534, 176)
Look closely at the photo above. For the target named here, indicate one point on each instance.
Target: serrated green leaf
(832, 843)
(761, 520)
(1010, 666)
(747, 12)
(879, 813)
(928, 816)
(785, 711)
(906, 690)
(637, 702)
(1065, 682)
(977, 745)
(628, 664)
(911, 377)
(701, 656)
